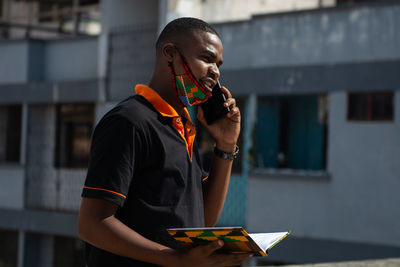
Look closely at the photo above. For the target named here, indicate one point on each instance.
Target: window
(376, 106)
(206, 142)
(8, 248)
(74, 130)
(10, 133)
(83, 18)
(290, 133)
(68, 252)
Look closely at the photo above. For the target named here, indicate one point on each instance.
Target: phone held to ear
(213, 108)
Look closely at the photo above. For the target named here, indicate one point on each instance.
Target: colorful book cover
(236, 239)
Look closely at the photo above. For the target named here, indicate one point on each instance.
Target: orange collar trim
(187, 131)
(158, 103)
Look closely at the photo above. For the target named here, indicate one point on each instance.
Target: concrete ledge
(289, 174)
(322, 78)
(53, 92)
(300, 250)
(394, 262)
(46, 222)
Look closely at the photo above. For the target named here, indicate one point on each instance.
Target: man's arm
(215, 189)
(98, 226)
(226, 133)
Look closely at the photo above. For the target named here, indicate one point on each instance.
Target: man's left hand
(225, 131)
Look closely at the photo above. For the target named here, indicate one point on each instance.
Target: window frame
(321, 116)
(15, 133)
(67, 161)
(370, 117)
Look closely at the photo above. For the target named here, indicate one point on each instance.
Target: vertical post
(24, 133)
(22, 160)
(250, 116)
(6, 10)
(162, 14)
(21, 249)
(75, 16)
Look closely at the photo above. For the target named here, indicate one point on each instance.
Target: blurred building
(319, 88)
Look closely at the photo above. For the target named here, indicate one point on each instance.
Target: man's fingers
(230, 260)
(233, 112)
(230, 102)
(238, 259)
(213, 246)
(226, 92)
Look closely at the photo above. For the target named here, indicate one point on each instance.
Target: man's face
(203, 53)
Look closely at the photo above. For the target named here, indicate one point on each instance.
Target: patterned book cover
(236, 239)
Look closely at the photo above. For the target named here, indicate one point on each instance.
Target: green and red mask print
(188, 90)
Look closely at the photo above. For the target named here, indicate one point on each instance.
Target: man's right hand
(205, 256)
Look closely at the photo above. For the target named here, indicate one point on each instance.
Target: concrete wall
(48, 187)
(233, 10)
(41, 180)
(131, 60)
(358, 203)
(74, 59)
(70, 188)
(13, 63)
(52, 60)
(313, 37)
(12, 181)
(364, 162)
(121, 13)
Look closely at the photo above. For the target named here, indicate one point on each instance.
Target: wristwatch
(225, 155)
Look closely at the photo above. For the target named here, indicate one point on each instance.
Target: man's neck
(168, 95)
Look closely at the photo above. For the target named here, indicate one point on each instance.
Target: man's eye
(207, 59)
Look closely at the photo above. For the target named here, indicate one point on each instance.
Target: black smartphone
(213, 108)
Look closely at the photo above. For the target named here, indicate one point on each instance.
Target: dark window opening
(10, 133)
(64, 13)
(290, 133)
(68, 252)
(377, 106)
(74, 130)
(8, 248)
(52, 10)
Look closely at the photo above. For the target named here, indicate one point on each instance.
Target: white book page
(267, 240)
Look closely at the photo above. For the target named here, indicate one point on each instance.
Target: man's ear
(168, 52)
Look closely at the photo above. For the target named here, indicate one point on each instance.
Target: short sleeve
(111, 164)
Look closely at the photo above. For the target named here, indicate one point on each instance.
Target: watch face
(225, 155)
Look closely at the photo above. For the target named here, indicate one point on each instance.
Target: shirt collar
(158, 103)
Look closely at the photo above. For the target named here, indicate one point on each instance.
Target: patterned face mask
(188, 89)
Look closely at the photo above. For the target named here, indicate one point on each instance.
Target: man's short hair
(180, 27)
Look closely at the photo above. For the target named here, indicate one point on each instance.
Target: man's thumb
(215, 245)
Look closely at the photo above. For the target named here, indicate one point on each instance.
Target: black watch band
(225, 155)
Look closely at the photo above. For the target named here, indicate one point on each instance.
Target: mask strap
(191, 76)
(171, 68)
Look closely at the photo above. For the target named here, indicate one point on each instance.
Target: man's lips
(208, 84)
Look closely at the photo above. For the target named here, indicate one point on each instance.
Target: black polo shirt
(144, 158)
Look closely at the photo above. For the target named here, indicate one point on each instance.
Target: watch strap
(225, 155)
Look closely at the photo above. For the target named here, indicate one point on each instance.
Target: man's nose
(214, 70)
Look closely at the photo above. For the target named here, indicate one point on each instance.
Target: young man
(145, 173)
